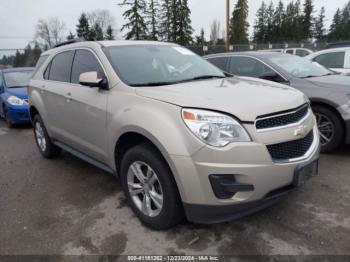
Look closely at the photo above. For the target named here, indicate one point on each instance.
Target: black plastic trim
(225, 186)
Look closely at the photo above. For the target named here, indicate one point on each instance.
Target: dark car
(14, 96)
(328, 92)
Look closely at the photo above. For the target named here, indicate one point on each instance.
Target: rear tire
(158, 204)
(331, 128)
(43, 141)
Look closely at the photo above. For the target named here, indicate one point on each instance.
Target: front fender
(36, 101)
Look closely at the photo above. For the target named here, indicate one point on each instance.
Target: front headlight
(214, 128)
(14, 100)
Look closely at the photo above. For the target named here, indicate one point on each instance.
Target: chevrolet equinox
(184, 139)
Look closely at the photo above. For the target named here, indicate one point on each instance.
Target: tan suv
(184, 139)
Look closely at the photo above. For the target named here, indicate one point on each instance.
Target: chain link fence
(24, 57)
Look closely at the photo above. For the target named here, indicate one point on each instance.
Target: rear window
(61, 65)
(220, 62)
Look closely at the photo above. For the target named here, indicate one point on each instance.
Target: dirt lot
(65, 206)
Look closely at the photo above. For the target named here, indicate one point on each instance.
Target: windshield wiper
(177, 82)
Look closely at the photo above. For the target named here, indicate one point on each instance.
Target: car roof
(17, 69)
(259, 54)
(111, 43)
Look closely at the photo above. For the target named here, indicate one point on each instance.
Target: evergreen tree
(335, 29)
(269, 23)
(319, 28)
(109, 33)
(165, 20)
(152, 22)
(185, 27)
(260, 24)
(83, 28)
(135, 16)
(239, 24)
(96, 33)
(278, 32)
(307, 20)
(345, 22)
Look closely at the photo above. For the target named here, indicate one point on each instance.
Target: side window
(85, 61)
(220, 62)
(247, 66)
(61, 65)
(331, 60)
(290, 51)
(47, 72)
(301, 52)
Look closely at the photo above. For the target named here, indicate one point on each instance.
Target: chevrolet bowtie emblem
(301, 130)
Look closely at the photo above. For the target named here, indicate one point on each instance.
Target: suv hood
(331, 81)
(245, 98)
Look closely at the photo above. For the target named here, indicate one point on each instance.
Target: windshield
(299, 67)
(17, 79)
(150, 65)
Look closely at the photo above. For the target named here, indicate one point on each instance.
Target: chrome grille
(282, 119)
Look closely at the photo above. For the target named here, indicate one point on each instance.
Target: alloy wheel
(40, 136)
(326, 127)
(145, 189)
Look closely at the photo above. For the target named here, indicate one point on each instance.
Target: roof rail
(75, 40)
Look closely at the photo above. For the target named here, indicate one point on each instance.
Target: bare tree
(51, 32)
(102, 18)
(215, 31)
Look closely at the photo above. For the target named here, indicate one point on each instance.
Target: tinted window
(331, 60)
(220, 62)
(247, 66)
(302, 52)
(85, 61)
(40, 62)
(61, 67)
(290, 51)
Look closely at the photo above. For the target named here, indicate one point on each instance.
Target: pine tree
(135, 16)
(269, 23)
(96, 33)
(319, 28)
(345, 22)
(153, 11)
(109, 33)
(278, 17)
(335, 29)
(83, 28)
(71, 36)
(239, 24)
(260, 24)
(185, 27)
(165, 20)
(307, 20)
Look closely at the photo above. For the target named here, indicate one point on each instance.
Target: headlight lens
(14, 100)
(214, 128)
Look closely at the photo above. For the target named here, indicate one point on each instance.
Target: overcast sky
(18, 17)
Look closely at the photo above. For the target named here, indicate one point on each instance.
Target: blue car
(14, 96)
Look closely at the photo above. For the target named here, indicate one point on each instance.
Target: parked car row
(185, 138)
(302, 52)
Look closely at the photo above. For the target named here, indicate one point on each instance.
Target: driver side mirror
(91, 79)
(272, 76)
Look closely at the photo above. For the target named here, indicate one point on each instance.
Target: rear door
(87, 108)
(56, 91)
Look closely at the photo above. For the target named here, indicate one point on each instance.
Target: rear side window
(290, 51)
(220, 62)
(40, 62)
(302, 52)
(60, 68)
(331, 60)
(85, 61)
(247, 66)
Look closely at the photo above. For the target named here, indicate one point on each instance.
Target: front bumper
(250, 164)
(19, 114)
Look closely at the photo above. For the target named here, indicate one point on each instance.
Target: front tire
(43, 141)
(331, 128)
(150, 188)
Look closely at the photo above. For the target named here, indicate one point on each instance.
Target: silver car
(328, 92)
(184, 139)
